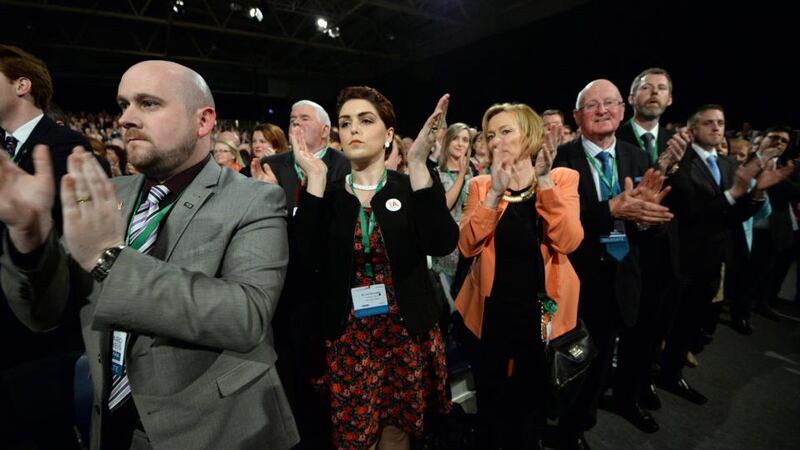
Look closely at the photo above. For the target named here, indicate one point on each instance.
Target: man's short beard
(161, 165)
(649, 114)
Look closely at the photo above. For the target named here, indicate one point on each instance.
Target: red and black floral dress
(377, 373)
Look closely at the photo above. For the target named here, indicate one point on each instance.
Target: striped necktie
(147, 211)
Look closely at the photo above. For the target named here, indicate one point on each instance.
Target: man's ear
(23, 86)
(208, 117)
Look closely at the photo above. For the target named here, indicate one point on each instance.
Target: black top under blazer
(422, 226)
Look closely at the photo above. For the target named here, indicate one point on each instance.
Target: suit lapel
(703, 173)
(190, 202)
(128, 195)
(37, 135)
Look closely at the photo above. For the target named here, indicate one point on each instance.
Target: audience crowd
(196, 254)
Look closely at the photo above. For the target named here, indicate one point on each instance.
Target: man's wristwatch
(105, 261)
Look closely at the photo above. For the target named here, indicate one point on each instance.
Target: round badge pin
(393, 204)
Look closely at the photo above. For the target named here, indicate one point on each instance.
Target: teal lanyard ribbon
(299, 172)
(613, 183)
(367, 226)
(152, 225)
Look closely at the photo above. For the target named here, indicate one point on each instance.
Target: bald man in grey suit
(176, 273)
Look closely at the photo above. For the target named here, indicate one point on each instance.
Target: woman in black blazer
(368, 236)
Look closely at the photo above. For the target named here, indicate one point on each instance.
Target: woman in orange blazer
(520, 223)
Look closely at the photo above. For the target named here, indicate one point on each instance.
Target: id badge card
(616, 242)
(118, 345)
(370, 300)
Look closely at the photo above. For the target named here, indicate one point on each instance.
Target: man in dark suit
(710, 197)
(607, 261)
(296, 337)
(634, 391)
(35, 369)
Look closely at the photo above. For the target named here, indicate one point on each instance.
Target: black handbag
(569, 356)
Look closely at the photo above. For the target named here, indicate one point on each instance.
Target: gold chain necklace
(523, 196)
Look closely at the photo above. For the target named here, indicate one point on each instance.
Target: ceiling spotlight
(255, 13)
(235, 6)
(322, 24)
(178, 6)
(332, 32)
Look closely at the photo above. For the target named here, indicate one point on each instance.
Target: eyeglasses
(778, 139)
(595, 105)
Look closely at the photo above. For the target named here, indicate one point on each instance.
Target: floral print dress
(378, 374)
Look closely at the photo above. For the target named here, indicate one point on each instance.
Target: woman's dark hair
(381, 103)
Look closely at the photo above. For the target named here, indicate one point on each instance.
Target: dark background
(742, 56)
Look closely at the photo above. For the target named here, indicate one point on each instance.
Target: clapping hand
(628, 206)
(92, 222)
(650, 187)
(676, 148)
(430, 132)
(262, 172)
(26, 200)
(314, 168)
(547, 154)
(772, 175)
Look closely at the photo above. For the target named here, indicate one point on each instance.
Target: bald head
(192, 88)
(597, 85)
(168, 115)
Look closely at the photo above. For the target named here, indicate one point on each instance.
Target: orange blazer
(560, 209)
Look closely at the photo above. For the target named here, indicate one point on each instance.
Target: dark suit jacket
(662, 247)
(282, 166)
(61, 141)
(595, 268)
(705, 217)
(627, 134)
(422, 226)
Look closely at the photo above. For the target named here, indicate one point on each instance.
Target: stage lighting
(255, 13)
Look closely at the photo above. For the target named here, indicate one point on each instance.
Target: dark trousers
(695, 300)
(509, 372)
(740, 274)
(582, 416)
(640, 344)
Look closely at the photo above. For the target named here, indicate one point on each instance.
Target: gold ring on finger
(83, 199)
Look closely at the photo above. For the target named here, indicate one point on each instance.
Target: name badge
(118, 352)
(370, 300)
(616, 242)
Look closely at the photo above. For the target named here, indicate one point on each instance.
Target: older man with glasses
(613, 215)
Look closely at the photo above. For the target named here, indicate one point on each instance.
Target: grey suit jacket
(201, 361)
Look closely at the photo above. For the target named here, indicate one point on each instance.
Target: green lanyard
(299, 172)
(463, 196)
(641, 142)
(151, 227)
(367, 227)
(610, 184)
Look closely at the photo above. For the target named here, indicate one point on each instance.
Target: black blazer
(780, 222)
(282, 166)
(664, 246)
(61, 140)
(705, 218)
(422, 226)
(594, 266)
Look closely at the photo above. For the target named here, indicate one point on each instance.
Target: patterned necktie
(604, 158)
(714, 168)
(10, 144)
(120, 386)
(650, 146)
